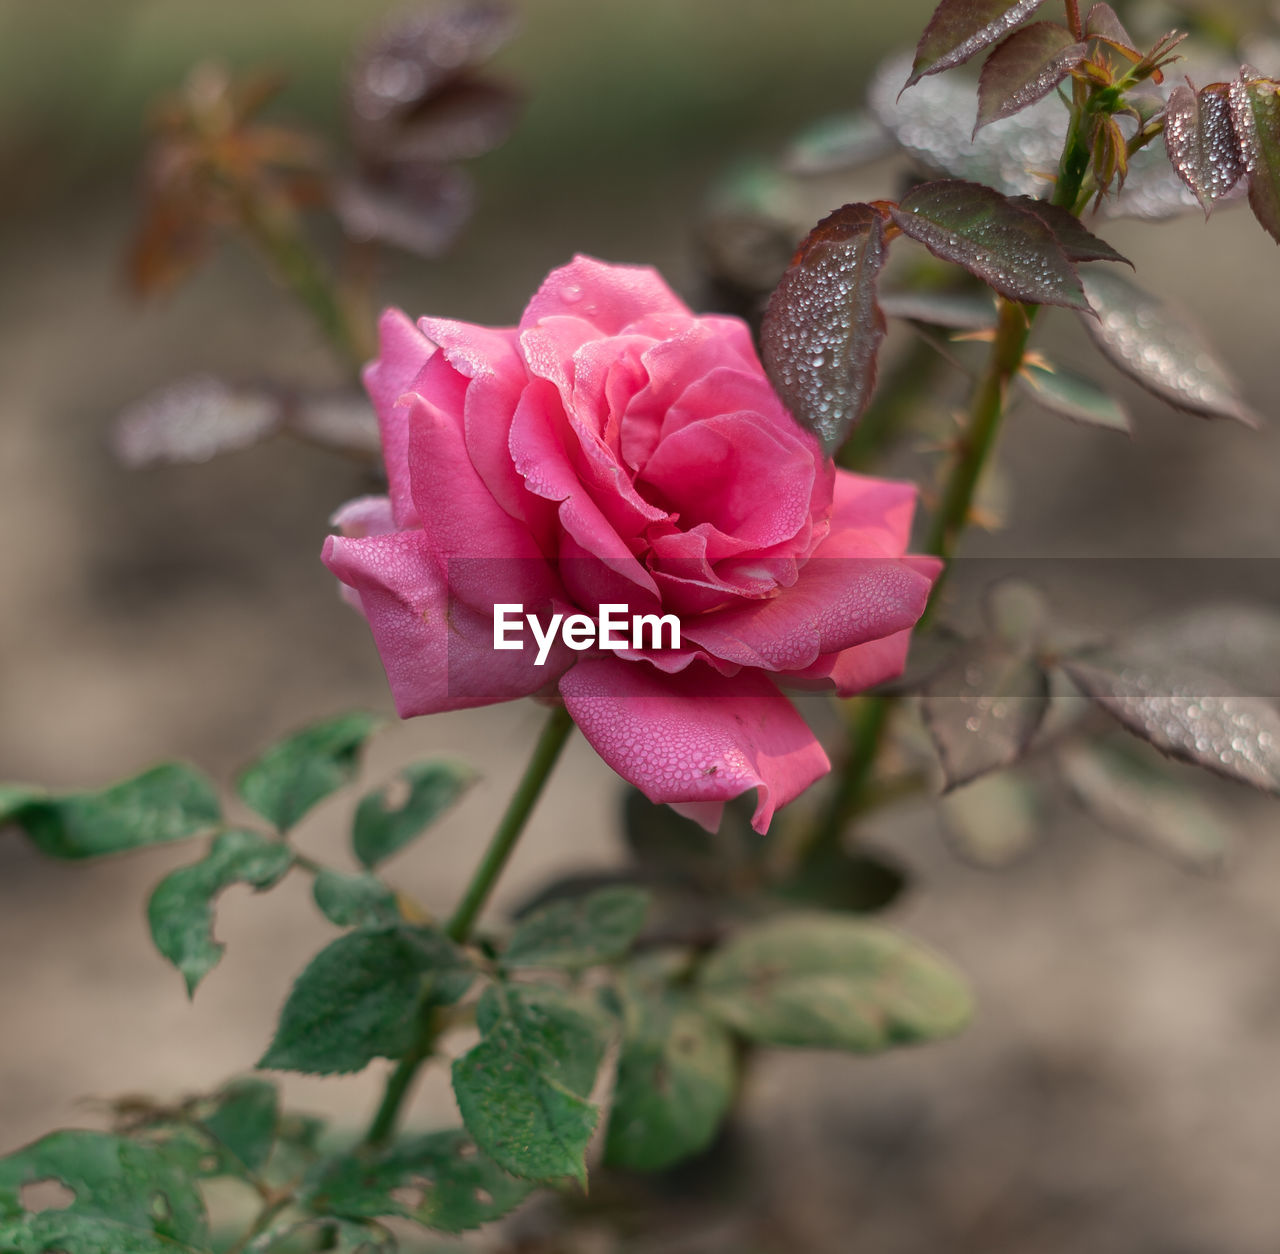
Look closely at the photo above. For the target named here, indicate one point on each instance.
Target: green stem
(277, 232)
(555, 733)
(266, 1217)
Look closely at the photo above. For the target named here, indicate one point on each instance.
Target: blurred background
(1116, 1091)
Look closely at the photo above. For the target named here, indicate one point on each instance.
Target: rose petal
(538, 435)
(438, 653)
(855, 670)
(836, 603)
(402, 352)
(486, 554)
(695, 736)
(713, 471)
(490, 358)
(869, 517)
(365, 516)
(611, 298)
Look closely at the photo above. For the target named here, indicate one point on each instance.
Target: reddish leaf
(420, 208)
(960, 28)
(1158, 347)
(983, 709)
(1075, 239)
(1102, 23)
(1000, 241)
(1186, 712)
(1255, 110)
(1201, 142)
(1025, 68)
(823, 326)
(417, 53)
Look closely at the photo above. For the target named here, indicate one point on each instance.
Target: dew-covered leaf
(440, 1180)
(1074, 238)
(417, 53)
(385, 824)
(1024, 68)
(983, 709)
(466, 118)
(1255, 112)
(1075, 397)
(1238, 641)
(180, 911)
(823, 327)
(129, 1198)
(420, 208)
(960, 28)
(677, 1074)
(1104, 23)
(932, 124)
(354, 900)
(993, 821)
(830, 982)
(169, 802)
(1201, 141)
(1132, 798)
(958, 311)
(582, 932)
(296, 773)
(194, 420)
(1159, 347)
(1185, 711)
(523, 1090)
(358, 999)
(999, 241)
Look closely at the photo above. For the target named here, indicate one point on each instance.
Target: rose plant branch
(546, 752)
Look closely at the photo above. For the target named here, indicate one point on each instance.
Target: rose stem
(555, 733)
(870, 715)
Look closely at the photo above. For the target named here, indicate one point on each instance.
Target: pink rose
(614, 448)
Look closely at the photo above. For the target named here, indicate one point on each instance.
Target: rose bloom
(615, 449)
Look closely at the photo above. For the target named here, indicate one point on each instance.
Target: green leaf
(996, 239)
(1255, 112)
(827, 982)
(1075, 397)
(584, 932)
(834, 879)
(983, 709)
(992, 822)
(1025, 68)
(382, 829)
(292, 776)
(354, 900)
(1201, 141)
(244, 1120)
(677, 1074)
(440, 1180)
(181, 908)
(1133, 798)
(1160, 348)
(167, 803)
(129, 1198)
(359, 997)
(523, 1089)
(823, 326)
(960, 28)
